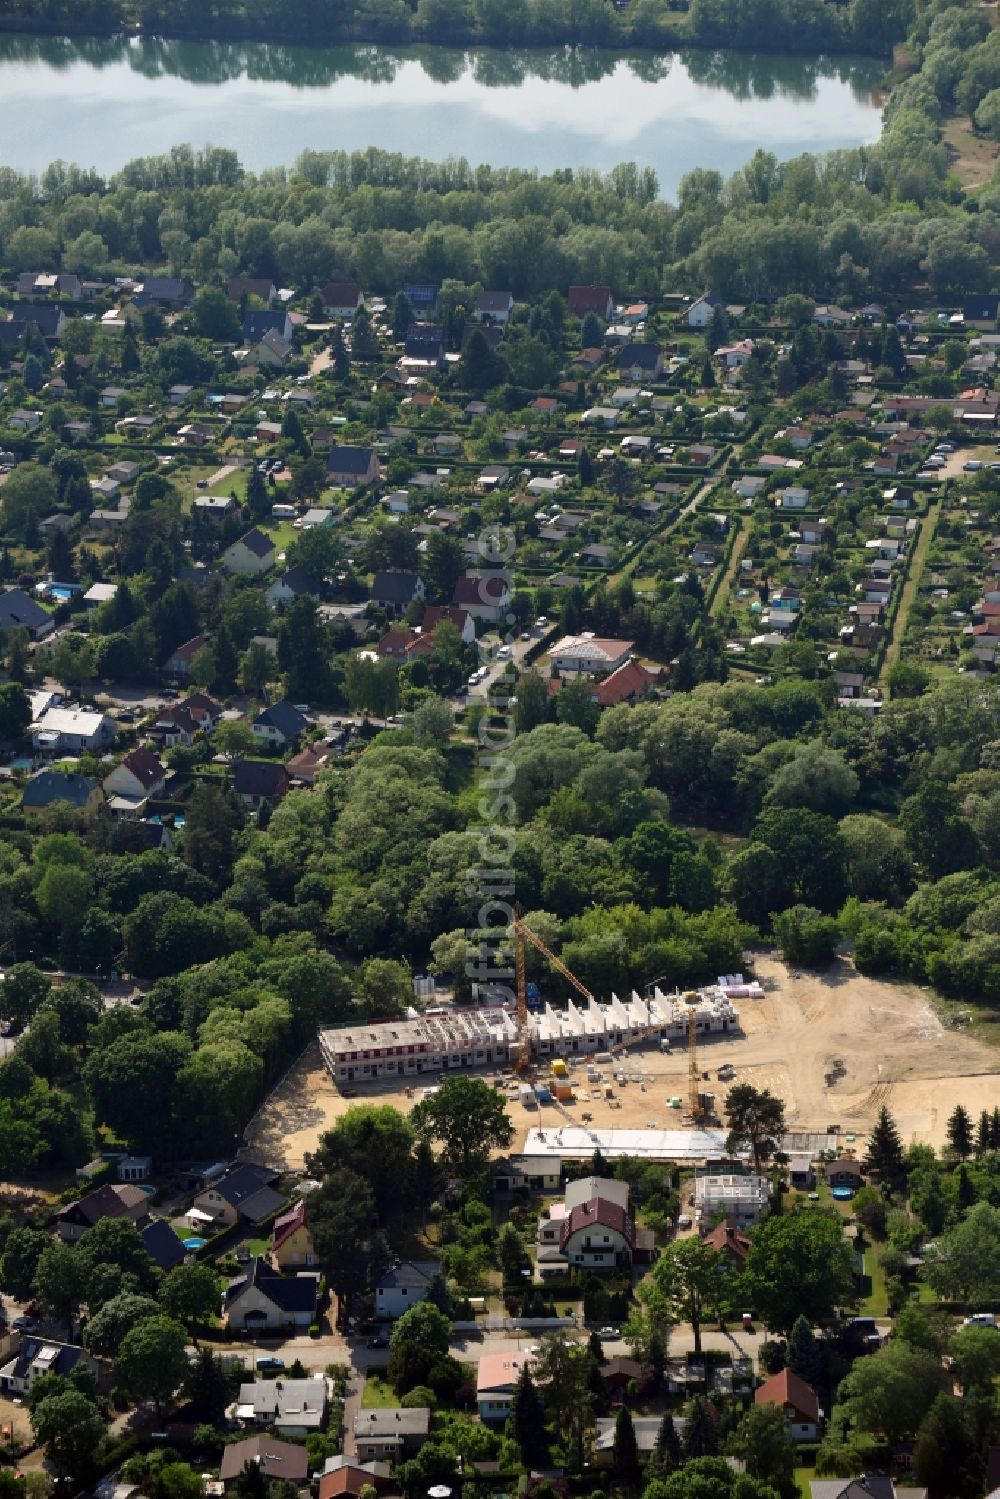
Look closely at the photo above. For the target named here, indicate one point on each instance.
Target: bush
(419, 1397)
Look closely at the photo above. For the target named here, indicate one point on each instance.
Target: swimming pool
(57, 591)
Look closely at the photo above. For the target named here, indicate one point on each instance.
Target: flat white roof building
(578, 1144)
(740, 1199)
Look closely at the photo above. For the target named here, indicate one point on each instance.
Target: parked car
(268, 1361)
(978, 1319)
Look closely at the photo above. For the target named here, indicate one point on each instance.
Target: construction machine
(522, 932)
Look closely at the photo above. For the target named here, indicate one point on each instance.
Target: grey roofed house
(300, 581)
(289, 1293)
(163, 289)
(638, 356)
(394, 587)
(47, 318)
(162, 1244)
(866, 1486)
(646, 1430)
(286, 720)
(255, 541)
(261, 321)
(393, 1421)
(284, 1402)
(18, 608)
(37, 1356)
(260, 780)
(415, 1274)
(51, 786)
(248, 1189)
(349, 459)
(276, 1459)
(424, 341)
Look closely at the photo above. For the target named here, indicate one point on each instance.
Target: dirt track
(834, 1046)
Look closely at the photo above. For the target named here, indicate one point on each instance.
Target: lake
(103, 102)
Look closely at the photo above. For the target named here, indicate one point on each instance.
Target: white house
(741, 1200)
(797, 1400)
(794, 497)
(699, 314)
(498, 1374)
(587, 655)
(250, 556)
(138, 776)
(259, 1300)
(62, 729)
(404, 1286)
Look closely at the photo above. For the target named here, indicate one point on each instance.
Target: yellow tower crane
(523, 932)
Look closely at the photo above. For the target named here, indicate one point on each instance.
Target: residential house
(349, 467)
(589, 655)
(494, 307)
(284, 1461)
(460, 618)
(49, 787)
(343, 1478)
(540, 1173)
(263, 288)
(627, 684)
(270, 320)
(727, 1241)
(699, 314)
(424, 346)
(596, 299)
(259, 1300)
(395, 591)
(342, 299)
(178, 394)
(598, 1235)
(845, 1172)
(980, 311)
(403, 1286)
(162, 1244)
(493, 476)
(830, 316)
(215, 508)
(259, 781)
(250, 556)
(165, 291)
(45, 283)
(19, 611)
(797, 1400)
(72, 729)
(794, 497)
(243, 1192)
(646, 1430)
(867, 1486)
(293, 584)
(138, 776)
(181, 658)
(114, 1200)
(291, 1407)
(291, 1241)
(421, 295)
(36, 1357)
(272, 352)
(497, 1375)
(734, 356)
(484, 596)
(740, 1199)
(390, 1434)
(280, 725)
(638, 361)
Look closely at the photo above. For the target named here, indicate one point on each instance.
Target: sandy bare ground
(834, 1046)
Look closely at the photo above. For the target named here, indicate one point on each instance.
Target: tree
(15, 711)
(441, 566)
(423, 1325)
(25, 988)
(59, 1282)
(342, 1224)
(756, 1120)
(108, 1327)
(480, 367)
(432, 722)
(884, 1153)
(960, 1265)
(213, 817)
(214, 315)
(19, 1261)
(207, 1387)
(469, 1119)
(526, 1423)
(190, 1293)
(975, 1357)
(797, 1264)
(960, 1132)
(806, 936)
(666, 1455)
(686, 1282)
(802, 1355)
(889, 1393)
(625, 1451)
(531, 706)
(152, 1360)
(701, 1435)
(69, 1426)
(377, 1143)
(29, 494)
(945, 1458)
(764, 1442)
(234, 738)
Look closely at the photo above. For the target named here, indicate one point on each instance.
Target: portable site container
(558, 1067)
(564, 1092)
(542, 1094)
(526, 1093)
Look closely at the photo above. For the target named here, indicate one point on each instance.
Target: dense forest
(760, 25)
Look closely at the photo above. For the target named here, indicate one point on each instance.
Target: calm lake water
(101, 103)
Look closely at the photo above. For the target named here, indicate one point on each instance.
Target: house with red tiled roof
(625, 685)
(395, 644)
(797, 1400)
(596, 299)
(138, 776)
(460, 618)
(291, 1241)
(178, 663)
(485, 596)
(727, 1240)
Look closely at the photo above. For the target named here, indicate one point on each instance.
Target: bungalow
(390, 1434)
(139, 775)
(403, 1286)
(166, 291)
(588, 655)
(349, 467)
(845, 1172)
(395, 591)
(49, 787)
(727, 1240)
(596, 554)
(291, 1407)
(307, 764)
(498, 1374)
(734, 356)
(19, 611)
(748, 487)
(46, 283)
(798, 1402)
(110, 1201)
(541, 1173)
(111, 395)
(291, 1241)
(801, 1173)
(793, 497)
(626, 685)
(606, 417)
(343, 1479)
(242, 1192)
(280, 725)
(484, 596)
(342, 299)
(250, 556)
(596, 299)
(72, 730)
(259, 781)
(830, 316)
(493, 476)
(280, 1461)
(493, 307)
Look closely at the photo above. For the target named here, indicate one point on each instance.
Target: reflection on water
(103, 101)
(744, 75)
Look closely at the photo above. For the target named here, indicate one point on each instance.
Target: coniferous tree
(527, 1422)
(983, 1134)
(666, 1455)
(995, 1130)
(625, 1451)
(965, 1191)
(960, 1132)
(802, 1355)
(885, 1150)
(701, 1437)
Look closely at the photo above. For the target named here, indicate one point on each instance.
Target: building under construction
(459, 1039)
